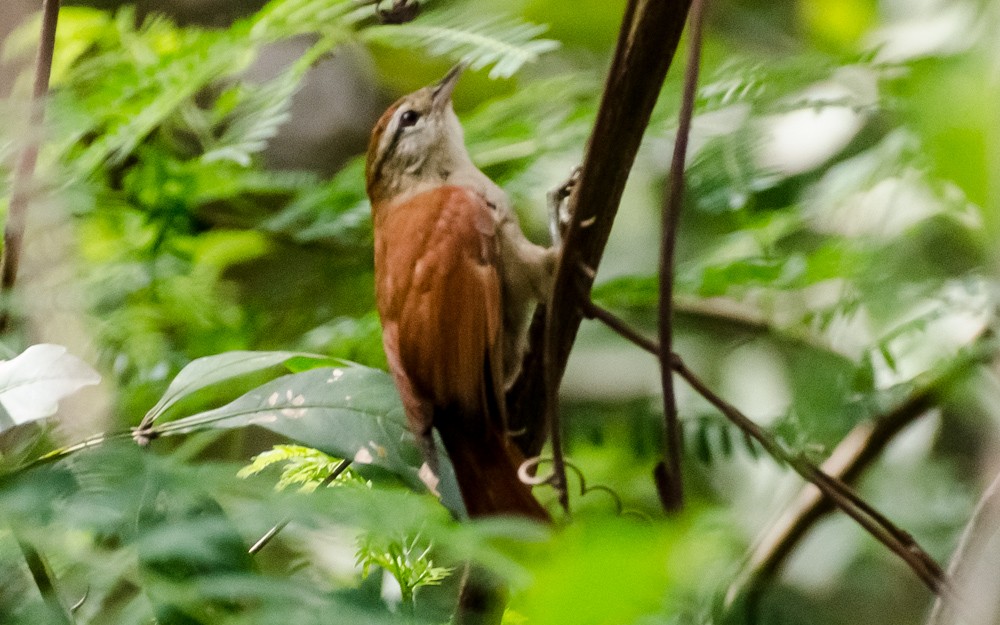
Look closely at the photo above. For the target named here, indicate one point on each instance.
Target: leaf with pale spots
(209, 371)
(347, 412)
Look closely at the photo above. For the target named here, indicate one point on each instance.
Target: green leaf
(702, 446)
(337, 211)
(628, 292)
(211, 370)
(347, 412)
(183, 536)
(280, 19)
(405, 558)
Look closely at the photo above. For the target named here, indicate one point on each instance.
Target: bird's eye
(408, 118)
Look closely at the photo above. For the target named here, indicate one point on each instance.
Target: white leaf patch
(32, 383)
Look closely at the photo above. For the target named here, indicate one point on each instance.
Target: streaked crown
(418, 137)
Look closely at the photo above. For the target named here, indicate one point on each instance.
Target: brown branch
(855, 453)
(847, 462)
(647, 40)
(13, 235)
(593, 311)
(839, 494)
(668, 473)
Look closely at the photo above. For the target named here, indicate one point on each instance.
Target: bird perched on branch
(455, 280)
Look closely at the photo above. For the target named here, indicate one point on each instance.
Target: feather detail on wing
(438, 283)
(439, 296)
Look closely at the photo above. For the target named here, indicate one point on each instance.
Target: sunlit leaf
(32, 383)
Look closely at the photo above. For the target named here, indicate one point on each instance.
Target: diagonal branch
(17, 210)
(648, 38)
(276, 529)
(856, 452)
(839, 494)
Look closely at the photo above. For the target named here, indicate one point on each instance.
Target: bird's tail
(486, 468)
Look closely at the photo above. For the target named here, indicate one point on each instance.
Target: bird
(455, 282)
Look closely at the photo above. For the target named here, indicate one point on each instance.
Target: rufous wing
(437, 282)
(439, 296)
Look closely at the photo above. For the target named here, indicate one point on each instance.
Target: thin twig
(980, 528)
(25, 171)
(842, 496)
(855, 453)
(527, 474)
(593, 311)
(732, 316)
(670, 483)
(552, 415)
(266, 538)
(79, 602)
(271, 533)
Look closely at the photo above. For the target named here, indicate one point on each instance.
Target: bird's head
(418, 139)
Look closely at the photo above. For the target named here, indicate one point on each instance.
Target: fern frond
(407, 558)
(281, 19)
(303, 466)
(337, 212)
(531, 122)
(161, 70)
(505, 43)
(254, 120)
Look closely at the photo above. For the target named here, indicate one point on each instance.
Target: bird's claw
(559, 215)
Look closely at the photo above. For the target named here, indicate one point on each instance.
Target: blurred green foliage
(837, 252)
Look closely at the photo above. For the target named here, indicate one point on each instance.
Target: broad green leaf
(211, 370)
(349, 412)
(659, 567)
(32, 383)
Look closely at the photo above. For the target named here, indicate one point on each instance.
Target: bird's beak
(442, 91)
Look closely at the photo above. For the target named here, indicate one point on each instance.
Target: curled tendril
(524, 473)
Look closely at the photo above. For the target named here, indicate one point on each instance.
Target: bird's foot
(559, 214)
